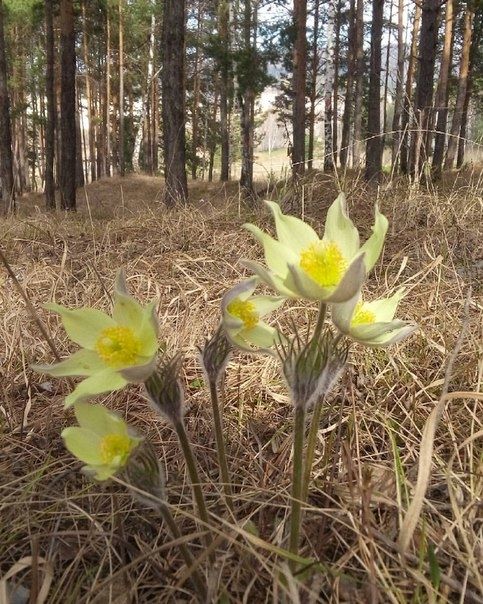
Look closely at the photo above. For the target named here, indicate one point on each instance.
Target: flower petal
(106, 380)
(266, 304)
(385, 308)
(101, 472)
(136, 374)
(261, 336)
(242, 290)
(83, 362)
(392, 337)
(291, 231)
(372, 331)
(147, 332)
(99, 420)
(341, 313)
(277, 256)
(269, 278)
(305, 287)
(340, 229)
(83, 444)
(83, 325)
(373, 246)
(351, 282)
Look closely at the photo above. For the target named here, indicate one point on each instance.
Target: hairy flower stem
(311, 444)
(173, 529)
(297, 482)
(320, 320)
(195, 481)
(220, 446)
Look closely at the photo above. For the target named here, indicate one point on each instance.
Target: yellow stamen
(362, 315)
(118, 346)
(116, 448)
(244, 310)
(324, 263)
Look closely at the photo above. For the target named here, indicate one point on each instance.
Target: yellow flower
(301, 265)
(102, 440)
(115, 350)
(372, 323)
(242, 312)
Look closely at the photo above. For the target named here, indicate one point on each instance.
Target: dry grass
(94, 544)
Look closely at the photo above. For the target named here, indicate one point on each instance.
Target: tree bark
(407, 116)
(299, 82)
(6, 156)
(196, 98)
(398, 101)
(349, 95)
(91, 141)
(335, 115)
(68, 107)
(329, 90)
(442, 93)
(462, 87)
(224, 31)
(247, 103)
(374, 142)
(122, 160)
(424, 90)
(51, 109)
(359, 59)
(314, 68)
(173, 102)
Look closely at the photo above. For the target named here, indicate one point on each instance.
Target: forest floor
(70, 541)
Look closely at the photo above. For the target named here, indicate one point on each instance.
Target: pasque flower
(102, 440)
(372, 323)
(115, 350)
(301, 265)
(241, 316)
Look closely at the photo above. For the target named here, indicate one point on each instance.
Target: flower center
(244, 310)
(115, 448)
(324, 263)
(118, 346)
(362, 315)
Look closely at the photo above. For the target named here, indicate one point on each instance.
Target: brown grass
(94, 544)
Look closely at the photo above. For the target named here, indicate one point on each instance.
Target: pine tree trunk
(462, 87)
(329, 89)
(349, 95)
(224, 32)
(335, 116)
(247, 99)
(359, 59)
(475, 46)
(68, 107)
(6, 156)
(196, 98)
(90, 115)
(107, 98)
(314, 68)
(407, 116)
(374, 142)
(121, 152)
(146, 101)
(173, 99)
(51, 109)
(299, 82)
(442, 94)
(386, 79)
(424, 89)
(398, 100)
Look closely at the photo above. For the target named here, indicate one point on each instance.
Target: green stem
(195, 480)
(320, 320)
(220, 446)
(297, 477)
(196, 577)
(311, 444)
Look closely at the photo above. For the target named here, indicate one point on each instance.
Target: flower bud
(143, 472)
(215, 355)
(312, 367)
(165, 391)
